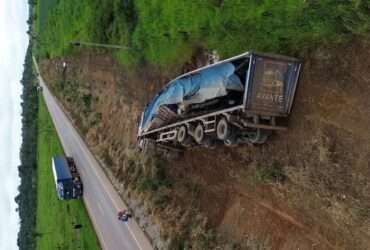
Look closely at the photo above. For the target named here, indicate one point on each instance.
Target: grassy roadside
(159, 31)
(55, 219)
(42, 12)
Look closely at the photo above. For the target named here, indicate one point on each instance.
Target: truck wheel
(223, 129)
(199, 133)
(182, 133)
(231, 142)
(147, 145)
(260, 136)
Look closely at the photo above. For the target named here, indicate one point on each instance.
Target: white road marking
(110, 197)
(59, 115)
(93, 219)
(100, 208)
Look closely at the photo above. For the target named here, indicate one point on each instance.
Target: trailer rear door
(271, 84)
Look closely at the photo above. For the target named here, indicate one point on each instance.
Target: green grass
(164, 32)
(43, 10)
(55, 218)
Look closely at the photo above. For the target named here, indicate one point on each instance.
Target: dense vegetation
(27, 170)
(159, 31)
(60, 224)
(26, 199)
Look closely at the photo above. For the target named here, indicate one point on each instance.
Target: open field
(42, 11)
(60, 224)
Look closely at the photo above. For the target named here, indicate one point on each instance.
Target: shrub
(270, 174)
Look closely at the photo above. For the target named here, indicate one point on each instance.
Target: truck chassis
(230, 126)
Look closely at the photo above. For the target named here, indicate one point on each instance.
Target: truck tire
(147, 146)
(199, 133)
(260, 136)
(223, 129)
(231, 142)
(182, 134)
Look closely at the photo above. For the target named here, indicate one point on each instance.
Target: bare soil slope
(306, 188)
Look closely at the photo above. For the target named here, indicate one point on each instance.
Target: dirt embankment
(307, 188)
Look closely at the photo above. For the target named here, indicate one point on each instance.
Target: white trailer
(239, 100)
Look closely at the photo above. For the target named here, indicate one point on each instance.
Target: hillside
(307, 187)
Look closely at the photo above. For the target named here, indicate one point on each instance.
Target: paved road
(101, 200)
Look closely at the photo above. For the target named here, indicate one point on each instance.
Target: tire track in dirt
(314, 237)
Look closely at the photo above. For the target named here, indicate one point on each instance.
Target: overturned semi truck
(242, 99)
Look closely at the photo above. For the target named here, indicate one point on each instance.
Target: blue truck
(242, 99)
(67, 179)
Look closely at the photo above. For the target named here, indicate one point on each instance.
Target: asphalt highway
(100, 198)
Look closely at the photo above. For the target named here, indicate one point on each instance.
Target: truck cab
(67, 180)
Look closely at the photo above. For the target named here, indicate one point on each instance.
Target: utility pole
(101, 45)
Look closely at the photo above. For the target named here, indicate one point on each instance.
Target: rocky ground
(306, 188)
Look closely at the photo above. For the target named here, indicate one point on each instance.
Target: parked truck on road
(238, 100)
(67, 179)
